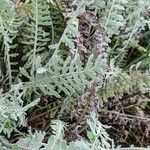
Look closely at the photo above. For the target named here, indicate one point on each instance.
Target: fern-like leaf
(68, 76)
(34, 35)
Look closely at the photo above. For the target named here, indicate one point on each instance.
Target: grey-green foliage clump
(12, 111)
(98, 138)
(47, 50)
